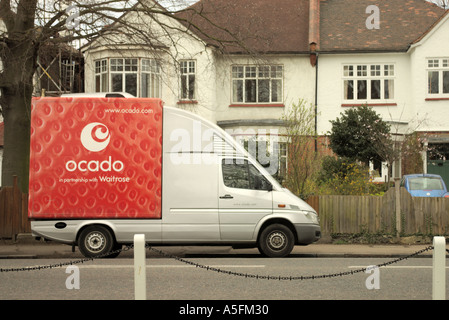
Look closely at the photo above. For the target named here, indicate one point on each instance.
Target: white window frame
(368, 75)
(440, 68)
(101, 74)
(187, 85)
(244, 75)
(124, 67)
(150, 68)
(141, 67)
(283, 159)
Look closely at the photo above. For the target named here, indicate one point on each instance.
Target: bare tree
(303, 161)
(31, 24)
(396, 145)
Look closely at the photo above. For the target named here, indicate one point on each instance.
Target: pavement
(26, 247)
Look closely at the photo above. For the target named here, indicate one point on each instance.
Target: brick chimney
(314, 30)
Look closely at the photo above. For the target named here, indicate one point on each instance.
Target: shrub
(342, 176)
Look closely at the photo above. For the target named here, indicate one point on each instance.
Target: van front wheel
(276, 240)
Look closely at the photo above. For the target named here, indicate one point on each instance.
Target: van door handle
(227, 196)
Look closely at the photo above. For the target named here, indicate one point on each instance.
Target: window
(124, 75)
(150, 82)
(257, 84)
(368, 82)
(139, 77)
(238, 173)
(283, 156)
(438, 151)
(188, 80)
(101, 75)
(438, 77)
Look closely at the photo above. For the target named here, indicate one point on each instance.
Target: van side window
(238, 173)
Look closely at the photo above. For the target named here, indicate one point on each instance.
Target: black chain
(63, 264)
(290, 278)
(218, 270)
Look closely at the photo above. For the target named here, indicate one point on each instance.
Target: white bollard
(439, 269)
(140, 272)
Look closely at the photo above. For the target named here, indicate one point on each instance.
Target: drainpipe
(314, 45)
(316, 102)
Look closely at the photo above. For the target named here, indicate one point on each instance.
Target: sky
(176, 4)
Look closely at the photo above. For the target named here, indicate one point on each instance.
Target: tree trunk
(16, 139)
(19, 56)
(16, 108)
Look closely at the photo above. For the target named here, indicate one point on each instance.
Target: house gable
(149, 27)
(443, 20)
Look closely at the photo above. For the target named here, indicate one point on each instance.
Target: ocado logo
(95, 137)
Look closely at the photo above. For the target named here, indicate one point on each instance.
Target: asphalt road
(168, 279)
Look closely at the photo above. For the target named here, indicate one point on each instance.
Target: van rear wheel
(95, 241)
(276, 240)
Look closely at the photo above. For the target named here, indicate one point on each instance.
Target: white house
(429, 64)
(393, 56)
(258, 57)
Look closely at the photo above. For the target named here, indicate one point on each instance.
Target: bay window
(137, 76)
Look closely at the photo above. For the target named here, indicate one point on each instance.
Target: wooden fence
(338, 214)
(13, 212)
(377, 214)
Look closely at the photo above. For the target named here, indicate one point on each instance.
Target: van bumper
(307, 233)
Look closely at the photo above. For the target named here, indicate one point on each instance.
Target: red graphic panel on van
(95, 158)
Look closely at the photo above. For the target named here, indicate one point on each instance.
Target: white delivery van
(104, 169)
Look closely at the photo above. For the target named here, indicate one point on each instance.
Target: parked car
(425, 185)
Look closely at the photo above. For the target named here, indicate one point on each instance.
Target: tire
(95, 241)
(276, 240)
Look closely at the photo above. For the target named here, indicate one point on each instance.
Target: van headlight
(312, 216)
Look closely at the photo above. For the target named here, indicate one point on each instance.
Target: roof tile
(401, 23)
(251, 25)
(282, 26)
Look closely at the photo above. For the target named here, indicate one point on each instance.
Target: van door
(244, 197)
(189, 180)
(189, 202)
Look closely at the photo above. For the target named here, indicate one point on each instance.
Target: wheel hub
(95, 242)
(277, 240)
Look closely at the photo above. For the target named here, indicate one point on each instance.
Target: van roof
(99, 95)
